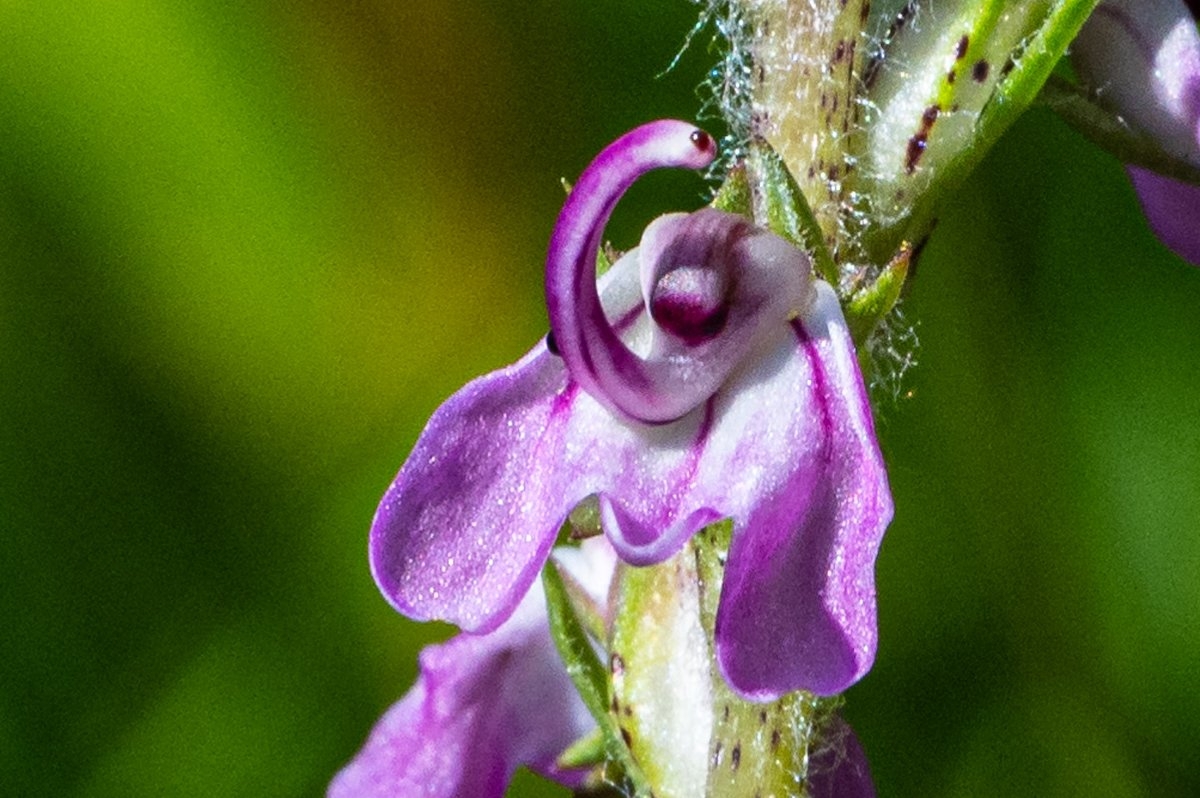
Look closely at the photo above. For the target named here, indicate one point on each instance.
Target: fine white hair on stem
(893, 350)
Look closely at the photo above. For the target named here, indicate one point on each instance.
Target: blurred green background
(245, 250)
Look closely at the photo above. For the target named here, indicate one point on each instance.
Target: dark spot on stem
(735, 757)
(627, 737)
(774, 739)
(950, 76)
(762, 717)
(980, 70)
(961, 49)
(716, 756)
(917, 144)
(914, 151)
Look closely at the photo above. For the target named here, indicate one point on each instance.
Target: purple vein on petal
(800, 574)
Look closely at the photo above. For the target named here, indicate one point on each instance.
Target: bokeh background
(245, 250)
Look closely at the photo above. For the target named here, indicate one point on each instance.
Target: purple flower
(482, 706)
(1142, 57)
(708, 376)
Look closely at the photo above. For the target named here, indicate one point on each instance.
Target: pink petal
(806, 486)
(482, 706)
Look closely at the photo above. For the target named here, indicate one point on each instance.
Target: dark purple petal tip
(1142, 59)
(838, 766)
(1172, 208)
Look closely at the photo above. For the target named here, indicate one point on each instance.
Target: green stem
(591, 679)
(1012, 97)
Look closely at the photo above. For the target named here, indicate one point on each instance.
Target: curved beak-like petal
(482, 706)
(801, 464)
